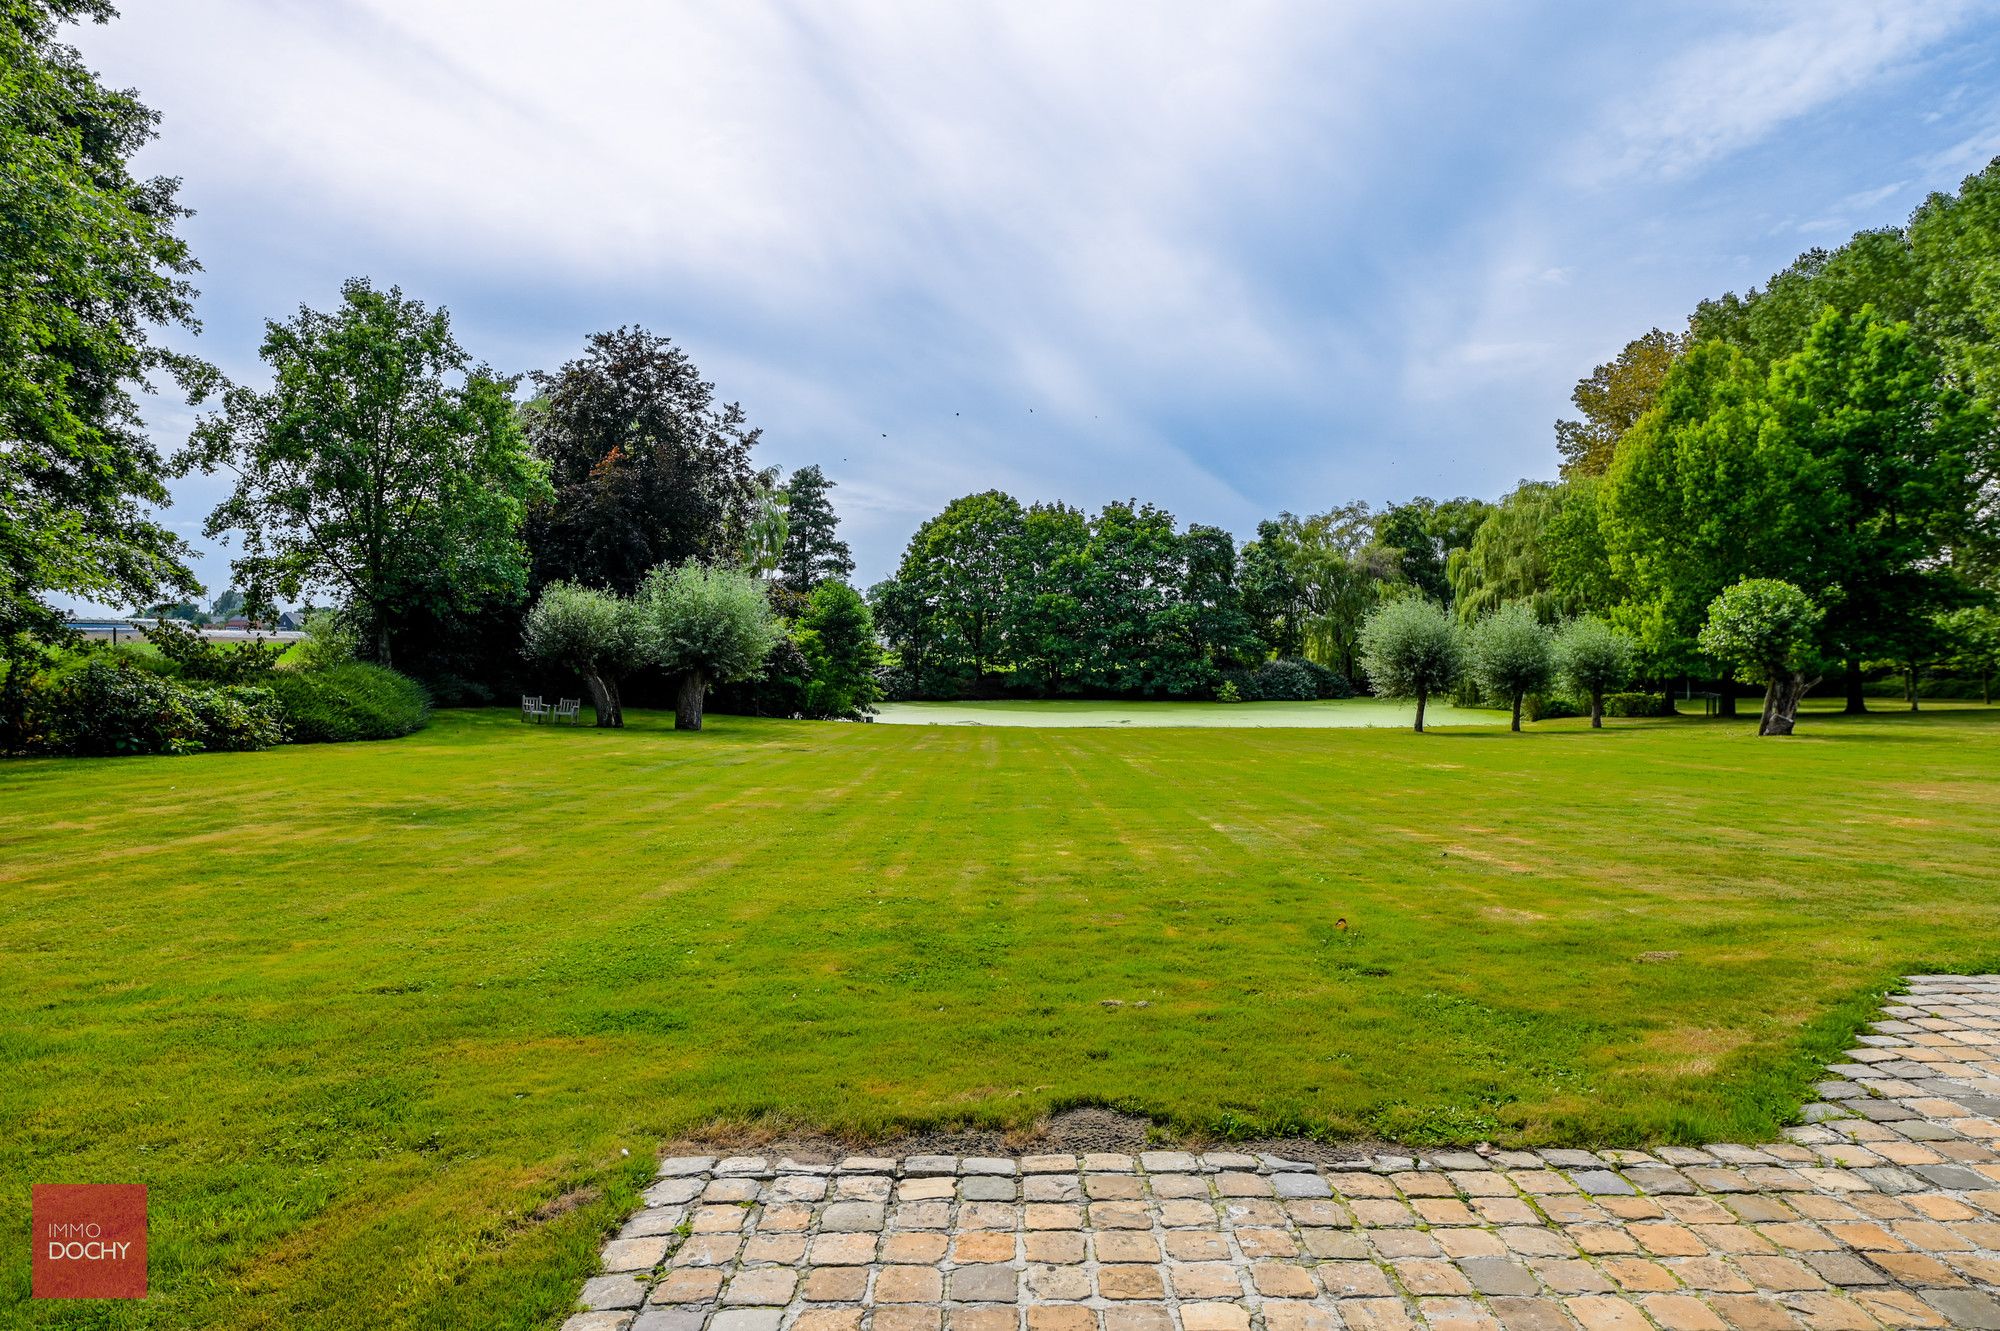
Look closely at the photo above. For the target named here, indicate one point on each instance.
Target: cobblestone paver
(1883, 1211)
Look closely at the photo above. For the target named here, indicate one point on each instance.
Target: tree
(765, 530)
(1332, 569)
(381, 465)
(1045, 625)
(1412, 648)
(1592, 659)
(1508, 558)
(1768, 630)
(646, 468)
(229, 603)
(1972, 637)
(597, 634)
(89, 270)
(1612, 400)
(814, 551)
(957, 564)
(1846, 469)
(706, 626)
(1424, 533)
(1512, 654)
(1272, 597)
(909, 629)
(836, 635)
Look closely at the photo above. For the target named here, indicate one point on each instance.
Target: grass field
(375, 1021)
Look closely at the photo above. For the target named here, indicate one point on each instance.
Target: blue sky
(1230, 259)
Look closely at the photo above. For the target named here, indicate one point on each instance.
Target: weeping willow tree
(1513, 557)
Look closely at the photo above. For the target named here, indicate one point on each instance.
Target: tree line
(1833, 431)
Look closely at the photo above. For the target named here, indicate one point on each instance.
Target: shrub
(104, 706)
(101, 707)
(238, 718)
(355, 701)
(1286, 681)
(330, 641)
(1638, 704)
(195, 658)
(1229, 692)
(1549, 707)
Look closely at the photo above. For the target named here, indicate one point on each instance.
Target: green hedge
(103, 705)
(1638, 704)
(349, 702)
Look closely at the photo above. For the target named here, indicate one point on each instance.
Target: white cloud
(1729, 92)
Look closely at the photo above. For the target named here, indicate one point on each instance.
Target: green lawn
(360, 1013)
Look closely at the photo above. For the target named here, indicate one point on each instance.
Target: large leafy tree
(1273, 599)
(1046, 624)
(1846, 469)
(646, 467)
(813, 549)
(90, 269)
(836, 636)
(1308, 582)
(1612, 399)
(381, 465)
(957, 565)
(1510, 558)
(1424, 533)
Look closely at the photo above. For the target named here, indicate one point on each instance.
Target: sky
(1229, 259)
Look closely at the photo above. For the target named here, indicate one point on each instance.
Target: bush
(355, 701)
(1286, 681)
(1638, 704)
(101, 707)
(1549, 707)
(238, 718)
(1229, 692)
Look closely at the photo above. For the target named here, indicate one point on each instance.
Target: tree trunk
(1857, 702)
(1597, 709)
(382, 641)
(1423, 695)
(687, 711)
(1725, 700)
(604, 700)
(1781, 703)
(1517, 713)
(1914, 673)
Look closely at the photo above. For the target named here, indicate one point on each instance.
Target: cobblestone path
(1884, 1210)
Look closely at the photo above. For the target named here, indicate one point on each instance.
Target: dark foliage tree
(1273, 596)
(1046, 632)
(957, 565)
(1424, 533)
(836, 636)
(90, 269)
(381, 465)
(813, 550)
(646, 468)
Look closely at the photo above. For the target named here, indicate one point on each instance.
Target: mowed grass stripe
(360, 1013)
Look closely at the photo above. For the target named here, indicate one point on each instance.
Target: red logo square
(90, 1240)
